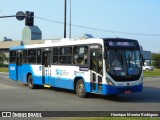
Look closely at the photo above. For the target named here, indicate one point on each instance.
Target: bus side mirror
(143, 62)
(141, 56)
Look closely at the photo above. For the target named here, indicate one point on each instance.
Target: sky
(134, 19)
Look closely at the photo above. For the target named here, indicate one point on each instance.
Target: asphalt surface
(14, 96)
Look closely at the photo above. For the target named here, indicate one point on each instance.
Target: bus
(108, 66)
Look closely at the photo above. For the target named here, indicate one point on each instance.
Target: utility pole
(70, 34)
(65, 14)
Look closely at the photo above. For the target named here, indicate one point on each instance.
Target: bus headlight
(110, 82)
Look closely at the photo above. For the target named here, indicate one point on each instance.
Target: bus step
(47, 86)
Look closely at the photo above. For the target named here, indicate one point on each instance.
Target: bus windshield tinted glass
(123, 62)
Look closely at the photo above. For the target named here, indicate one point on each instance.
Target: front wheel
(112, 95)
(30, 82)
(80, 89)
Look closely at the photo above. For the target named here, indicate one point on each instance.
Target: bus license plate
(127, 91)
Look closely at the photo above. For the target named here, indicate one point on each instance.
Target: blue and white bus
(108, 66)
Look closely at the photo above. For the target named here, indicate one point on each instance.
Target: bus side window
(19, 59)
(80, 55)
(85, 55)
(61, 55)
(12, 55)
(65, 55)
(55, 55)
(24, 56)
(32, 56)
(62, 60)
(39, 55)
(55, 59)
(75, 56)
(68, 55)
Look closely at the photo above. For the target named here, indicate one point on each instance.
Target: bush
(156, 59)
(5, 65)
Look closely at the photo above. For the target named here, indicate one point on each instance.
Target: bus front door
(96, 66)
(19, 66)
(46, 67)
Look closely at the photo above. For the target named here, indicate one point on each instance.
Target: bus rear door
(96, 66)
(46, 72)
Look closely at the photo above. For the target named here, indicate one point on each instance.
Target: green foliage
(156, 59)
(2, 58)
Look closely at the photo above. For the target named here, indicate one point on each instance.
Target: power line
(99, 29)
(49, 20)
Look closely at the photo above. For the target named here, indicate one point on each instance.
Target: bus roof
(67, 42)
(60, 42)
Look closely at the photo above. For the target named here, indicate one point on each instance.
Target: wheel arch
(76, 79)
(28, 74)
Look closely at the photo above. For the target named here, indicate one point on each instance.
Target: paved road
(15, 96)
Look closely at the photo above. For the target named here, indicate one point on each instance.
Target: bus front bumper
(110, 90)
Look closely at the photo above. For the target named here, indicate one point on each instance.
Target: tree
(156, 59)
(3, 57)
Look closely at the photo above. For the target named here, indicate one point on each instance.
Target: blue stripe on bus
(68, 83)
(108, 90)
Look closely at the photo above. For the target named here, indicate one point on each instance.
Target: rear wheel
(80, 89)
(30, 82)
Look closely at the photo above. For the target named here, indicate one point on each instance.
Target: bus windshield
(122, 64)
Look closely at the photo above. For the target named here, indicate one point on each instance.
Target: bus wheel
(30, 82)
(112, 96)
(80, 89)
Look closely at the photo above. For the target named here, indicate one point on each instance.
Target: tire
(112, 96)
(30, 82)
(80, 89)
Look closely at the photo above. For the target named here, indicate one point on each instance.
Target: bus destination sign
(118, 43)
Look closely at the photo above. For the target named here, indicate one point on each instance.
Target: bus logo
(58, 72)
(12, 68)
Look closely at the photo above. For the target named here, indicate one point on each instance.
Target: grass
(155, 72)
(3, 69)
